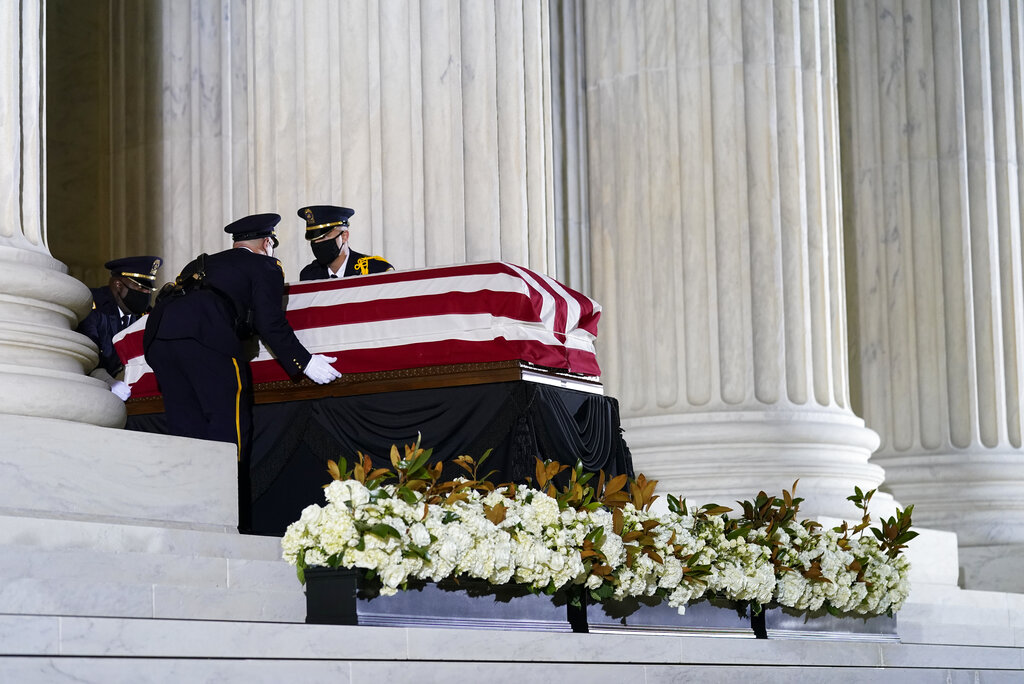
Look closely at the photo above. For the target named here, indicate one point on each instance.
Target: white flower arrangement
(601, 538)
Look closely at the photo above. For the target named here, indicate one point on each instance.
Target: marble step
(46, 533)
(125, 599)
(109, 650)
(84, 565)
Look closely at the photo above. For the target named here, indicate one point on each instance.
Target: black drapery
(517, 421)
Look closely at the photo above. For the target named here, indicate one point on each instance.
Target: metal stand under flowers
(341, 596)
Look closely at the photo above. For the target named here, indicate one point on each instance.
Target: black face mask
(137, 302)
(326, 251)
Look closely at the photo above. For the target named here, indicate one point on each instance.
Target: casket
(456, 321)
(487, 358)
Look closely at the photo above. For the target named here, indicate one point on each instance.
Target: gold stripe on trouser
(238, 401)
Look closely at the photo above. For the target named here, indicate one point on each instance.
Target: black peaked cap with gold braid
(141, 270)
(322, 218)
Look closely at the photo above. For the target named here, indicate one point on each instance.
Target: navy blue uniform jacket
(256, 283)
(357, 264)
(100, 326)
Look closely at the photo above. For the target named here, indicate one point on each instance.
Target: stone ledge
(60, 469)
(147, 638)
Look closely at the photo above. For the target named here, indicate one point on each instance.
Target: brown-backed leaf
(495, 513)
(617, 521)
(332, 468)
(379, 472)
(653, 555)
(615, 484)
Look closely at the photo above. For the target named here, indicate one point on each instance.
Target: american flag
(472, 313)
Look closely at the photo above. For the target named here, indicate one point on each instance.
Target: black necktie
(125, 321)
(334, 275)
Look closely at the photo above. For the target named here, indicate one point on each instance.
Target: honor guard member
(194, 340)
(123, 300)
(327, 233)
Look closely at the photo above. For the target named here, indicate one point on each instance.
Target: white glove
(121, 389)
(319, 369)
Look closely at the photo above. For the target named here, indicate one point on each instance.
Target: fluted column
(42, 361)
(935, 138)
(180, 138)
(717, 246)
(431, 119)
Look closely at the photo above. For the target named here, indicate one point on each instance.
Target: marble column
(179, 121)
(431, 119)
(569, 144)
(42, 374)
(934, 130)
(717, 250)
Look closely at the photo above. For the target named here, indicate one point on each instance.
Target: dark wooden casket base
(518, 412)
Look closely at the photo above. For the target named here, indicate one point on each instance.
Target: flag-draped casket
(466, 314)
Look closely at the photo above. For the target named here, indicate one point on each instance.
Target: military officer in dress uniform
(118, 304)
(327, 233)
(194, 340)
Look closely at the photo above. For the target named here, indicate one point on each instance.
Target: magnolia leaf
(615, 484)
(495, 513)
(905, 537)
(541, 473)
(383, 530)
(617, 521)
(379, 472)
(396, 460)
(333, 469)
(653, 556)
(457, 496)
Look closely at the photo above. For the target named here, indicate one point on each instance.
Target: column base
(730, 456)
(979, 495)
(43, 374)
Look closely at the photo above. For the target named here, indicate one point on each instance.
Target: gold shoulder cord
(363, 265)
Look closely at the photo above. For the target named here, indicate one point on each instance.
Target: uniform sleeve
(379, 265)
(98, 328)
(269, 321)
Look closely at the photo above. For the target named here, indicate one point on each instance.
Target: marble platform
(100, 583)
(75, 471)
(80, 649)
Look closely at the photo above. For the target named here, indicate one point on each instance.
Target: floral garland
(603, 536)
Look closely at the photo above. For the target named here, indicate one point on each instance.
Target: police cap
(322, 218)
(254, 227)
(141, 270)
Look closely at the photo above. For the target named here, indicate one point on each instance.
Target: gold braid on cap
(147, 276)
(310, 229)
